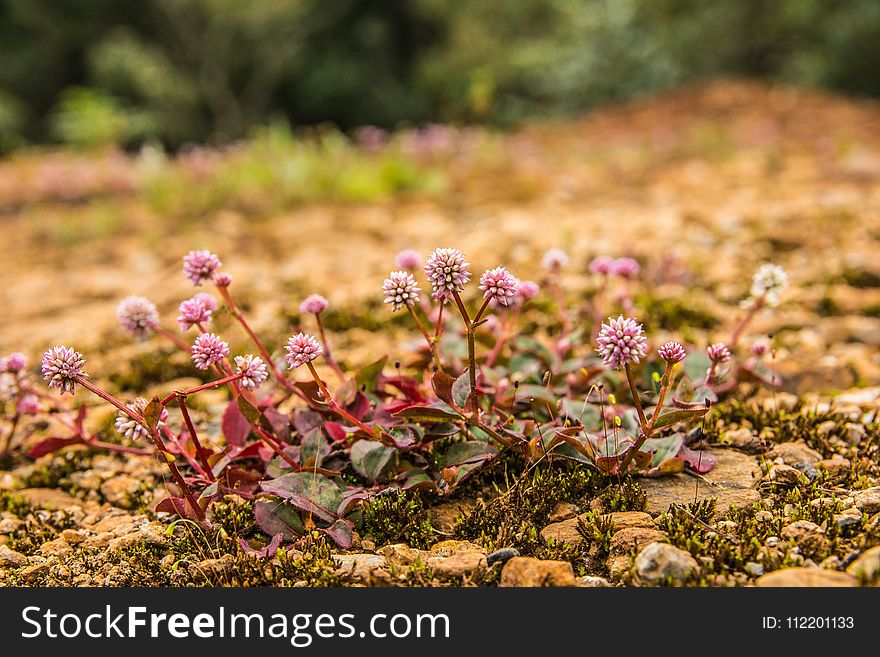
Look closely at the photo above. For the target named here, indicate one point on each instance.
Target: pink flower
(314, 304)
(28, 405)
(401, 290)
(498, 285)
(135, 430)
(528, 290)
(622, 341)
(555, 260)
(199, 266)
(138, 316)
(222, 279)
(760, 349)
(408, 260)
(61, 367)
(253, 371)
(207, 350)
(209, 300)
(672, 352)
(447, 272)
(718, 352)
(302, 349)
(602, 265)
(625, 268)
(193, 312)
(13, 363)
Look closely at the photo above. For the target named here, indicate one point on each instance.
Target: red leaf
(176, 505)
(53, 444)
(267, 552)
(699, 461)
(235, 427)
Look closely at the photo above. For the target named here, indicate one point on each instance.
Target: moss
(674, 314)
(53, 472)
(234, 515)
(14, 504)
(515, 518)
(398, 517)
(626, 495)
(860, 278)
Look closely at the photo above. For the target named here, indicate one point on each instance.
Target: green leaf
(368, 377)
(663, 449)
(308, 491)
(313, 448)
(472, 451)
(696, 365)
(373, 460)
(672, 417)
(436, 412)
(250, 412)
(461, 389)
(278, 517)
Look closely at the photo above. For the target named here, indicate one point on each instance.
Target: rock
(73, 537)
(566, 532)
(362, 568)
(151, 534)
(9, 525)
(854, 433)
(744, 440)
(785, 475)
(754, 569)
(867, 567)
(34, 572)
(834, 466)
(449, 548)
(120, 489)
(732, 484)
(460, 564)
(502, 556)
(58, 547)
(848, 518)
(806, 577)
(563, 511)
(634, 539)
(798, 455)
(111, 523)
(444, 517)
(805, 534)
(587, 582)
(400, 555)
(11, 558)
(868, 501)
(661, 562)
(529, 572)
(214, 571)
(49, 498)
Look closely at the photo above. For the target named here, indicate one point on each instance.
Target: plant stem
(665, 386)
(431, 344)
(471, 346)
(190, 427)
(635, 397)
(335, 407)
(737, 334)
(165, 333)
(239, 316)
(205, 386)
(328, 354)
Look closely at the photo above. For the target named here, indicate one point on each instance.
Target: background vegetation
(102, 72)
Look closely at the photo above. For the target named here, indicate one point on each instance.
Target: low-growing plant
(307, 454)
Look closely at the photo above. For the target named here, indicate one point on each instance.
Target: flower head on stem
(13, 363)
(401, 290)
(314, 304)
(62, 368)
(622, 341)
(448, 273)
(408, 260)
(672, 352)
(554, 260)
(499, 285)
(718, 353)
(302, 349)
(199, 266)
(627, 268)
(209, 349)
(138, 316)
(253, 371)
(602, 265)
(768, 283)
(193, 312)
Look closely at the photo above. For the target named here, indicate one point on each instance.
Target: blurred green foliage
(92, 72)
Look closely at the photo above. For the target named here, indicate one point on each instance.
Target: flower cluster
(314, 304)
(448, 272)
(554, 260)
(672, 352)
(499, 285)
(622, 341)
(768, 283)
(302, 349)
(13, 363)
(718, 352)
(622, 267)
(408, 260)
(131, 429)
(193, 312)
(253, 371)
(401, 290)
(138, 316)
(62, 368)
(208, 350)
(199, 266)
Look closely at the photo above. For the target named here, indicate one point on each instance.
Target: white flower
(768, 283)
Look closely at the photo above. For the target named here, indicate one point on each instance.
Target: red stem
(200, 451)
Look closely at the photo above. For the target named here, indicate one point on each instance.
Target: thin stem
(438, 329)
(328, 354)
(635, 397)
(7, 442)
(190, 427)
(165, 333)
(205, 386)
(122, 449)
(737, 334)
(471, 345)
(275, 447)
(193, 463)
(239, 316)
(431, 344)
(665, 387)
(335, 407)
(482, 310)
(110, 399)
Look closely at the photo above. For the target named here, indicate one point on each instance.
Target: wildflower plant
(307, 453)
